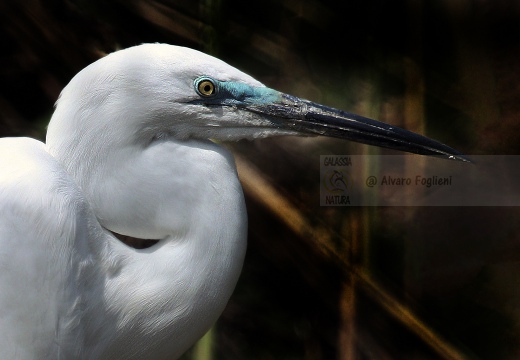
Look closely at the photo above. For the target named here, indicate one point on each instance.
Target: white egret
(128, 152)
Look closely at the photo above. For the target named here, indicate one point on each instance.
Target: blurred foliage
(449, 69)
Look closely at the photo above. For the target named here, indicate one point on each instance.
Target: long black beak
(307, 117)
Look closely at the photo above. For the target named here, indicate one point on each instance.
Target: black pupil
(207, 88)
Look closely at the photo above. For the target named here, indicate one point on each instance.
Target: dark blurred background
(323, 282)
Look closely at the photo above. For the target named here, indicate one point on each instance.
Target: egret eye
(206, 87)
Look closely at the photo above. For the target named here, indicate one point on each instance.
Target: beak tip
(461, 157)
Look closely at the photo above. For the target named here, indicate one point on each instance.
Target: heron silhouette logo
(336, 183)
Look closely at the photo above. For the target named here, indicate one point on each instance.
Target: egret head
(156, 90)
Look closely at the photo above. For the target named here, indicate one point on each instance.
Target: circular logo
(336, 181)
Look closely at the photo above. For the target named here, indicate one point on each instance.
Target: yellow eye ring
(206, 88)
